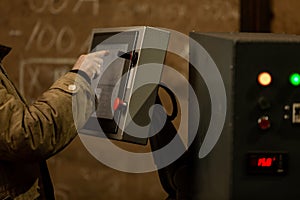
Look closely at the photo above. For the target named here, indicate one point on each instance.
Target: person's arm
(31, 133)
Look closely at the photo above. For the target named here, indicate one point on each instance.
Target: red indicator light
(264, 123)
(264, 78)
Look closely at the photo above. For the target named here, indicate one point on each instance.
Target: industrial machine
(258, 153)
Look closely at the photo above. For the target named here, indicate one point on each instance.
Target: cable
(174, 102)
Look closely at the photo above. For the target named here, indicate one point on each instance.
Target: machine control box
(127, 87)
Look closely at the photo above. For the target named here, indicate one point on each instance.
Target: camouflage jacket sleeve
(31, 133)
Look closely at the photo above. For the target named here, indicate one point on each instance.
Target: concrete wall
(286, 16)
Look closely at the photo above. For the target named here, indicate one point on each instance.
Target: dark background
(48, 35)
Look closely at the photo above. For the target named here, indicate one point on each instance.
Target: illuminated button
(264, 123)
(264, 78)
(295, 79)
(118, 103)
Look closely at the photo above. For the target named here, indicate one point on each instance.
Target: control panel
(128, 84)
(258, 153)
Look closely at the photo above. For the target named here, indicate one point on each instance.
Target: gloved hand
(91, 63)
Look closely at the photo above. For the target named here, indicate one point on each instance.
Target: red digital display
(266, 163)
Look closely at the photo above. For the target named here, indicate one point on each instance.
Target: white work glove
(91, 63)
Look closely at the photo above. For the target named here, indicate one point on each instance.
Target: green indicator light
(295, 79)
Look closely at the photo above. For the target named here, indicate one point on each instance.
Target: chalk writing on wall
(46, 36)
(36, 74)
(31, 82)
(57, 6)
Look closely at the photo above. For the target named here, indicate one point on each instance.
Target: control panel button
(264, 103)
(264, 123)
(118, 103)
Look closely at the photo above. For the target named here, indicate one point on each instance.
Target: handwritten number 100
(47, 37)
